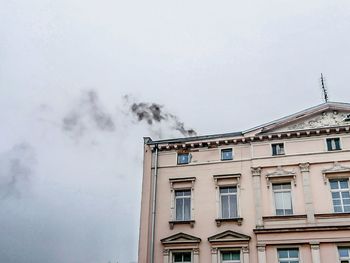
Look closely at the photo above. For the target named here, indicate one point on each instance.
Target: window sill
(282, 218)
(237, 220)
(332, 215)
(178, 222)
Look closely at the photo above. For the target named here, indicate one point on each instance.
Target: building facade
(279, 192)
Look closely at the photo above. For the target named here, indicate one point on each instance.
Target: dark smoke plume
(154, 113)
(89, 110)
(16, 170)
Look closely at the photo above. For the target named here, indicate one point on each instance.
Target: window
(230, 257)
(344, 254)
(184, 257)
(228, 202)
(226, 154)
(278, 149)
(183, 158)
(283, 199)
(347, 118)
(340, 195)
(183, 205)
(333, 144)
(288, 255)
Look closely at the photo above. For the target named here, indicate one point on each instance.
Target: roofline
(325, 104)
(149, 141)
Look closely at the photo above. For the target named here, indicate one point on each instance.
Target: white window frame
(278, 154)
(226, 149)
(339, 190)
(341, 259)
(280, 191)
(221, 251)
(287, 260)
(330, 138)
(181, 251)
(183, 197)
(228, 194)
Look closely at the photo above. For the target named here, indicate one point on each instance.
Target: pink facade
(276, 193)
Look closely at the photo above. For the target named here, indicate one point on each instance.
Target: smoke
(16, 170)
(88, 112)
(153, 113)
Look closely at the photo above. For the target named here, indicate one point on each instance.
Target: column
(261, 253)
(196, 255)
(165, 255)
(309, 206)
(245, 254)
(256, 173)
(315, 252)
(214, 255)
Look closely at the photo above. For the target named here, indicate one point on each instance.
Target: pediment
(180, 238)
(229, 236)
(326, 115)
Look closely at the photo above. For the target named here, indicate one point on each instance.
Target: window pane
(334, 184)
(336, 202)
(276, 186)
(224, 206)
(293, 253)
(187, 202)
(179, 209)
(344, 184)
(343, 252)
(187, 193)
(279, 200)
(338, 209)
(177, 257)
(287, 200)
(345, 194)
(224, 190)
(233, 206)
(282, 253)
(346, 208)
(183, 158)
(187, 256)
(335, 195)
(346, 201)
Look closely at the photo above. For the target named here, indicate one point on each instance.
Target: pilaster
(256, 173)
(309, 207)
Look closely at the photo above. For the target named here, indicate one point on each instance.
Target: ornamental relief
(326, 119)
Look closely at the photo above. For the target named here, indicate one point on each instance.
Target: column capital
(304, 167)
(165, 252)
(214, 250)
(261, 247)
(196, 251)
(256, 171)
(315, 245)
(245, 249)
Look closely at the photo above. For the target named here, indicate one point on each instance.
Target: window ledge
(285, 217)
(238, 220)
(332, 215)
(183, 222)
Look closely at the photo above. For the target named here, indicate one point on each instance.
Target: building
(275, 193)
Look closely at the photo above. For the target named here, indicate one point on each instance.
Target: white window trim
(272, 196)
(172, 252)
(284, 148)
(338, 256)
(332, 190)
(289, 247)
(220, 204)
(332, 137)
(230, 250)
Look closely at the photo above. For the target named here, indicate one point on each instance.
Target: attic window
(347, 118)
(277, 149)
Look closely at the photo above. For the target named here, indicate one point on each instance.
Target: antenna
(324, 89)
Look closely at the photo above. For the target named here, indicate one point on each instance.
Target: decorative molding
(280, 173)
(315, 245)
(166, 252)
(245, 249)
(175, 222)
(214, 250)
(237, 220)
(191, 180)
(304, 167)
(261, 247)
(196, 251)
(256, 171)
(180, 238)
(337, 168)
(229, 236)
(226, 177)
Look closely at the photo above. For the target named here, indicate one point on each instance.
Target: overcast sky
(71, 154)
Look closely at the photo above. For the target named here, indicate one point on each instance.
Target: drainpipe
(154, 203)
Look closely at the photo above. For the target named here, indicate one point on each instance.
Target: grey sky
(220, 66)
